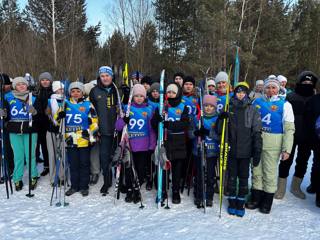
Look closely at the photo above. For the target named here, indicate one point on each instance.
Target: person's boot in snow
(105, 187)
(71, 191)
(84, 192)
(240, 210)
(45, 172)
(136, 196)
(176, 197)
(129, 197)
(19, 185)
(256, 196)
(149, 184)
(94, 179)
(311, 189)
(295, 188)
(232, 205)
(34, 182)
(266, 203)
(281, 191)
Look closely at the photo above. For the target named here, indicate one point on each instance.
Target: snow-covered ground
(96, 217)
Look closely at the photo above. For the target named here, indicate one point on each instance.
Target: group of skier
(208, 137)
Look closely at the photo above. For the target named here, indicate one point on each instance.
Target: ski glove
(126, 119)
(61, 115)
(224, 115)
(125, 90)
(32, 110)
(255, 161)
(69, 141)
(85, 134)
(202, 132)
(3, 113)
(157, 116)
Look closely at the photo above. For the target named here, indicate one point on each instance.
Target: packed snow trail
(95, 217)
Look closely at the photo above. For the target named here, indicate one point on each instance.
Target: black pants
(106, 150)
(238, 168)
(315, 176)
(42, 142)
(8, 153)
(79, 159)
(304, 152)
(209, 177)
(138, 169)
(150, 167)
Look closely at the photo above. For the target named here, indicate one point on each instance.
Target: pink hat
(138, 89)
(210, 100)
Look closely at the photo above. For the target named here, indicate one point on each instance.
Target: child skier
(175, 124)
(211, 150)
(17, 111)
(53, 107)
(277, 135)
(80, 123)
(141, 140)
(245, 141)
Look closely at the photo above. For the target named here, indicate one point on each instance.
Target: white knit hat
(272, 80)
(259, 82)
(172, 88)
(17, 80)
(282, 78)
(222, 77)
(56, 85)
(78, 85)
(211, 83)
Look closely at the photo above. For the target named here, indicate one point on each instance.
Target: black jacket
(244, 130)
(105, 102)
(298, 100)
(311, 114)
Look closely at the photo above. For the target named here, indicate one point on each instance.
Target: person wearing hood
(105, 100)
(17, 113)
(245, 142)
(304, 90)
(176, 123)
(44, 93)
(257, 92)
(277, 135)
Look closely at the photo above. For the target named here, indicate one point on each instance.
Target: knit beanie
(45, 75)
(56, 85)
(242, 87)
(17, 80)
(282, 78)
(189, 79)
(155, 86)
(259, 82)
(210, 100)
(272, 80)
(139, 89)
(222, 77)
(178, 74)
(147, 80)
(211, 83)
(172, 88)
(135, 74)
(308, 76)
(78, 85)
(106, 69)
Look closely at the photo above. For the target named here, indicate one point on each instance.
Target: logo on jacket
(274, 108)
(145, 114)
(178, 111)
(194, 100)
(82, 109)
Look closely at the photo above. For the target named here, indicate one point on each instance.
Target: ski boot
(256, 196)
(71, 191)
(129, 197)
(311, 189)
(105, 187)
(176, 199)
(19, 186)
(34, 182)
(266, 203)
(240, 209)
(84, 192)
(136, 196)
(94, 179)
(232, 205)
(149, 185)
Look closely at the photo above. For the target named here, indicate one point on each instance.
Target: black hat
(178, 74)
(308, 76)
(189, 79)
(5, 78)
(147, 80)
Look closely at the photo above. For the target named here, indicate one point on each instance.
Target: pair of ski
(60, 158)
(122, 155)
(4, 164)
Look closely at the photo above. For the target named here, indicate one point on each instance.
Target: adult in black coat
(304, 90)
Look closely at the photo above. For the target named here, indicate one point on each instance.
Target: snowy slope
(96, 217)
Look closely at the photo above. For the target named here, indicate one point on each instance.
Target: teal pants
(20, 147)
